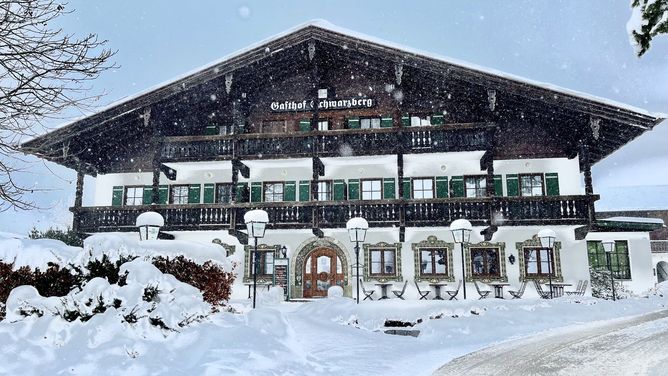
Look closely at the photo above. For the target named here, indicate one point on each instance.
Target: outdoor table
(383, 289)
(259, 285)
(437, 290)
(498, 288)
(558, 288)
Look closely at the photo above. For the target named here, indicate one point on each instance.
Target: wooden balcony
(507, 211)
(431, 139)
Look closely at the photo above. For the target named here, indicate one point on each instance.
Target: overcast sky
(580, 45)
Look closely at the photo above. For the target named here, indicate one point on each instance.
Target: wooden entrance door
(322, 270)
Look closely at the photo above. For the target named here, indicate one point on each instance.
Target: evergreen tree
(649, 18)
(601, 287)
(68, 236)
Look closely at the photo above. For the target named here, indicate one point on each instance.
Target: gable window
(223, 193)
(323, 125)
(485, 262)
(476, 186)
(433, 262)
(369, 123)
(383, 262)
(423, 188)
(372, 189)
(536, 262)
(178, 194)
(273, 192)
(322, 93)
(619, 258)
(531, 185)
(134, 195)
(324, 191)
(418, 121)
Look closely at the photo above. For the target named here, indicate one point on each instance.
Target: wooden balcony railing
(566, 210)
(446, 138)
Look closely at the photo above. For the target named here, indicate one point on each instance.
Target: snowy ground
(329, 336)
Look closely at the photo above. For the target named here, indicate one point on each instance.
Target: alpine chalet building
(318, 125)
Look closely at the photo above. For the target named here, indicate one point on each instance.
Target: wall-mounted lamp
(511, 259)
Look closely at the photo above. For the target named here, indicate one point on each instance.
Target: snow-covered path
(631, 346)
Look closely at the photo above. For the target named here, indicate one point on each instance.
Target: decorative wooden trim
(534, 242)
(433, 242)
(248, 249)
(396, 247)
(501, 247)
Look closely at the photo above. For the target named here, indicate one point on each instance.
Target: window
(417, 120)
(324, 191)
(323, 125)
(368, 123)
(423, 188)
(372, 189)
(476, 186)
(134, 195)
(485, 262)
(273, 192)
(383, 262)
(322, 93)
(531, 185)
(433, 261)
(223, 193)
(266, 263)
(273, 126)
(619, 258)
(178, 194)
(536, 262)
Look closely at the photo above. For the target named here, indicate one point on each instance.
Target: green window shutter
(194, 191)
(304, 190)
(163, 194)
(305, 125)
(211, 130)
(498, 185)
(389, 188)
(117, 196)
(405, 120)
(209, 193)
(512, 185)
(437, 119)
(407, 187)
(242, 192)
(353, 122)
(386, 121)
(353, 189)
(442, 187)
(256, 191)
(457, 186)
(339, 190)
(552, 184)
(290, 193)
(147, 196)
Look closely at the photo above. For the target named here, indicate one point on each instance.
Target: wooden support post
(155, 188)
(585, 166)
(489, 184)
(78, 199)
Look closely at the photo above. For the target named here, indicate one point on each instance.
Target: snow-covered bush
(335, 292)
(601, 287)
(272, 297)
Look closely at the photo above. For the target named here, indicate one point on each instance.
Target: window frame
(362, 189)
(371, 120)
(140, 188)
(477, 188)
(171, 193)
(264, 191)
(433, 188)
(329, 193)
(284, 121)
(422, 117)
(614, 260)
(539, 263)
(433, 251)
(542, 182)
(383, 265)
(320, 121)
(216, 198)
(486, 276)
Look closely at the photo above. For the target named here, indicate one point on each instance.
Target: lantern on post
(547, 238)
(256, 224)
(149, 224)
(609, 247)
(461, 232)
(357, 228)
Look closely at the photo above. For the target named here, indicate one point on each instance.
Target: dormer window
(322, 93)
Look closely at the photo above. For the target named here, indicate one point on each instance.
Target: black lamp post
(608, 247)
(547, 238)
(461, 232)
(357, 231)
(256, 223)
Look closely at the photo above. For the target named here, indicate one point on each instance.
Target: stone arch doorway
(317, 265)
(662, 271)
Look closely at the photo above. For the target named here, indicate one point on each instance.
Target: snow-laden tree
(649, 18)
(43, 72)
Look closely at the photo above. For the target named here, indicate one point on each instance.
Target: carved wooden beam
(242, 237)
(169, 172)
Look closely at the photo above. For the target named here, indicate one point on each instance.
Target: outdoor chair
(580, 290)
(400, 293)
(367, 293)
(519, 292)
(423, 294)
(453, 293)
(540, 292)
(482, 292)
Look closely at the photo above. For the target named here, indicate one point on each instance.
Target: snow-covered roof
(656, 221)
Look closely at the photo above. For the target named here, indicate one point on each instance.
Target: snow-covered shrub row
(144, 296)
(601, 285)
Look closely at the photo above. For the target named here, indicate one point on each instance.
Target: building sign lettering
(323, 104)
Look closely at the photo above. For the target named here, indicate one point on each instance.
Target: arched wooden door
(322, 270)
